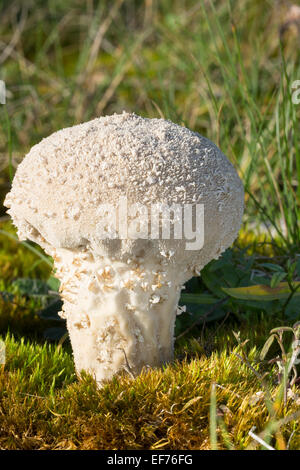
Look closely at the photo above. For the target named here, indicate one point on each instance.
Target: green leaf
(212, 282)
(30, 287)
(279, 329)
(291, 268)
(272, 267)
(269, 307)
(198, 299)
(53, 283)
(266, 347)
(190, 403)
(213, 418)
(277, 278)
(262, 292)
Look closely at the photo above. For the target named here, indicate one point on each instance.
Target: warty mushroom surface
(121, 293)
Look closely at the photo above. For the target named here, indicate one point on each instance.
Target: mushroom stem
(117, 313)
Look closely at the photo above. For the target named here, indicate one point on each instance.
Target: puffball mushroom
(120, 293)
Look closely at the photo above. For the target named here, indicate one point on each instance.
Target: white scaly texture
(55, 199)
(117, 312)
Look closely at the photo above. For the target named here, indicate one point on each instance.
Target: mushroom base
(119, 316)
(114, 342)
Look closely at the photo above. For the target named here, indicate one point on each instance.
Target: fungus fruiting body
(120, 280)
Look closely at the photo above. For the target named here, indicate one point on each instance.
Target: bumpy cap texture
(61, 182)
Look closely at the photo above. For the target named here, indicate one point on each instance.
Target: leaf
(53, 283)
(63, 339)
(212, 282)
(291, 268)
(190, 403)
(279, 329)
(195, 312)
(198, 299)
(266, 347)
(30, 287)
(258, 279)
(262, 292)
(276, 278)
(272, 267)
(213, 418)
(160, 444)
(269, 307)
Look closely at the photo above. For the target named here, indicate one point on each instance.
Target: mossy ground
(44, 405)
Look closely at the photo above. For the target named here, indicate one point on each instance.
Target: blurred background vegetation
(222, 68)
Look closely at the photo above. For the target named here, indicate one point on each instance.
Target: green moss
(16, 259)
(44, 406)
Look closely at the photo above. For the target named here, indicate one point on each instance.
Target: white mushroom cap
(61, 182)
